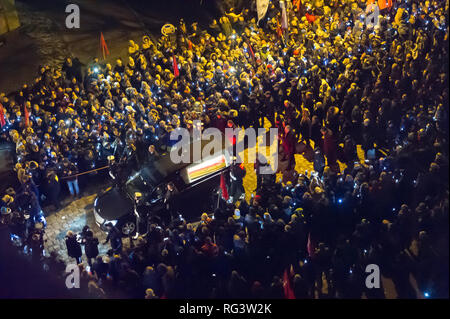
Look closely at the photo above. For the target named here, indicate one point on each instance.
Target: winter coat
(73, 247)
(91, 247)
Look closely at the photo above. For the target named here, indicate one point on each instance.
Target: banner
(284, 20)
(261, 8)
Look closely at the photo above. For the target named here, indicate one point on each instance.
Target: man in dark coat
(52, 189)
(114, 237)
(237, 174)
(100, 268)
(73, 246)
(90, 246)
(69, 172)
(170, 201)
(152, 154)
(319, 161)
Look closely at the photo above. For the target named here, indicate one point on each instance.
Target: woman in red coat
(288, 143)
(329, 146)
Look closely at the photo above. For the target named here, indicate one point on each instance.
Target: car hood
(113, 204)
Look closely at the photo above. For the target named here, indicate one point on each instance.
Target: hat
(10, 191)
(150, 293)
(8, 199)
(318, 190)
(39, 225)
(5, 210)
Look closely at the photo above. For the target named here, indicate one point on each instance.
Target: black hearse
(195, 181)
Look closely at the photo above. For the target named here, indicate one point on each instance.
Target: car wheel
(128, 228)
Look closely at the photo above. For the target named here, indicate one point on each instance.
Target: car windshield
(144, 181)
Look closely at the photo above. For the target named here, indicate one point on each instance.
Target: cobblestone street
(74, 216)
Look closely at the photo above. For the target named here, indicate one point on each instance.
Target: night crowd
(328, 82)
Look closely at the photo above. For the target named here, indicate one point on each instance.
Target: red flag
(2, 116)
(297, 3)
(279, 31)
(104, 47)
(27, 116)
(287, 286)
(251, 51)
(176, 72)
(223, 187)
